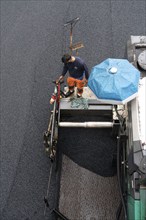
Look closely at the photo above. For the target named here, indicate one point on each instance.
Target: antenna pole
(77, 45)
(71, 36)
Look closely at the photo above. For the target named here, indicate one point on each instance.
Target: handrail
(86, 124)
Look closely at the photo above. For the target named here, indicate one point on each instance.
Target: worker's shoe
(69, 93)
(79, 96)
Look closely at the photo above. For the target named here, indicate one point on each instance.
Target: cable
(119, 181)
(48, 188)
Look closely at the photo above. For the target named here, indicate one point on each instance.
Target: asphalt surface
(32, 42)
(86, 195)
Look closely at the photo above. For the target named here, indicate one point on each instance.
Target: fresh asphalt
(33, 40)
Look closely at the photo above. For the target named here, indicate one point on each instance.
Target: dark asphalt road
(32, 42)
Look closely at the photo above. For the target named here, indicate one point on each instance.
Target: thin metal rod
(143, 45)
(87, 124)
(48, 189)
(50, 123)
(71, 22)
(53, 123)
(60, 214)
(71, 36)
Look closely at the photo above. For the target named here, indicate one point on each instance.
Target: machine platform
(86, 110)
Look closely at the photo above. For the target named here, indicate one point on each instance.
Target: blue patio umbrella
(114, 79)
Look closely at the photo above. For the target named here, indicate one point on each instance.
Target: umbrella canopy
(115, 80)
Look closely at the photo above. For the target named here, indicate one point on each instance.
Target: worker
(78, 74)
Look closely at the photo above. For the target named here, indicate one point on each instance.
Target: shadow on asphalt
(92, 149)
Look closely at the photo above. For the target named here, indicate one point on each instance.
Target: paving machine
(127, 123)
(131, 149)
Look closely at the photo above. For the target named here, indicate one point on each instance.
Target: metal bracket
(123, 137)
(59, 214)
(76, 46)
